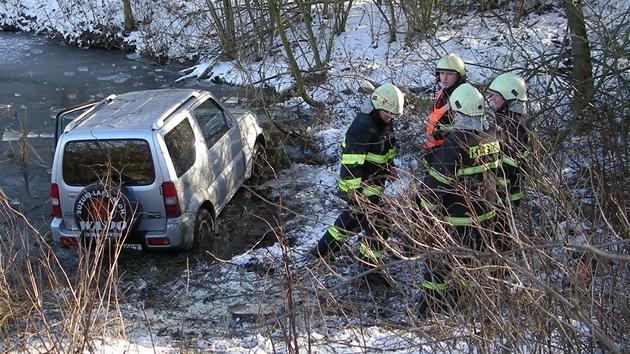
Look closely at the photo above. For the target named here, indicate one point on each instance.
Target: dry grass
(562, 286)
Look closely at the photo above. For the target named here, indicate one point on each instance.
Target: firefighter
(366, 164)
(451, 73)
(458, 193)
(509, 96)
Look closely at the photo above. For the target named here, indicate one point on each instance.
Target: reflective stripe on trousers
(434, 286)
(336, 234)
(369, 253)
(469, 220)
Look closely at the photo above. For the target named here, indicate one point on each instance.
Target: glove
(429, 142)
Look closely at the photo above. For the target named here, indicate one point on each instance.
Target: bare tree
(420, 17)
(274, 10)
(130, 22)
(305, 12)
(581, 76)
(388, 13)
(223, 18)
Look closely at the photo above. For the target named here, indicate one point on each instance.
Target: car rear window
(89, 161)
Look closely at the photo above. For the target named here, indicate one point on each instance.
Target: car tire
(205, 231)
(260, 165)
(112, 206)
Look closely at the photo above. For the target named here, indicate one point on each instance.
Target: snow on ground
(357, 59)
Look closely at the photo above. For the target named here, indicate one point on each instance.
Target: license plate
(132, 247)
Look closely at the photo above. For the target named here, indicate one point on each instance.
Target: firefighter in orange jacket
(451, 73)
(366, 164)
(459, 192)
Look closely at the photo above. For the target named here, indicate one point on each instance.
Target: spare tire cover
(106, 210)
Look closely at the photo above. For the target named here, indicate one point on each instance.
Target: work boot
(374, 276)
(326, 246)
(377, 278)
(431, 301)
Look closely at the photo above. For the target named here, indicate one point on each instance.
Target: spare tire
(106, 210)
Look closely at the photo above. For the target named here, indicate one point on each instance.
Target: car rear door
(65, 116)
(225, 148)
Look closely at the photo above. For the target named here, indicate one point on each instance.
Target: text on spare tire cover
(95, 214)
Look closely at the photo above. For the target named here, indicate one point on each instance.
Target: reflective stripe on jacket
(515, 141)
(368, 150)
(439, 117)
(461, 177)
(436, 114)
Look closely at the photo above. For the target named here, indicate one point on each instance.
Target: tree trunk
(274, 11)
(130, 22)
(305, 10)
(581, 76)
(224, 22)
(389, 18)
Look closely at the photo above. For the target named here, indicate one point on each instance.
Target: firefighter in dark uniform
(509, 95)
(451, 73)
(459, 192)
(366, 164)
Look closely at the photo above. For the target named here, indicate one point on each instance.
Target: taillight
(69, 241)
(160, 241)
(54, 200)
(171, 201)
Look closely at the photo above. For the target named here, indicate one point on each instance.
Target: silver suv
(150, 169)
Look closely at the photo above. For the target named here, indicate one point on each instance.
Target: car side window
(180, 143)
(212, 122)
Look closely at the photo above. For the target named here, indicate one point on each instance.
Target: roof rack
(85, 114)
(159, 123)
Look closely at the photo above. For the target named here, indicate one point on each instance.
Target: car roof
(137, 110)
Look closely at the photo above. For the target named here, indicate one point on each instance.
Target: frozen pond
(38, 77)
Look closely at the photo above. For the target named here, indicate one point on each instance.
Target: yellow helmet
(451, 62)
(510, 86)
(388, 97)
(466, 99)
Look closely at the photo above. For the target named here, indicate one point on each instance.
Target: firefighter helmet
(510, 86)
(388, 97)
(466, 99)
(451, 62)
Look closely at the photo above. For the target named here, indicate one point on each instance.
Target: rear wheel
(260, 166)
(204, 231)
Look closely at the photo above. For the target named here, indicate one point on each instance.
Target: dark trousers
(439, 266)
(367, 218)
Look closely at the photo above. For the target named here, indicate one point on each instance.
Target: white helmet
(388, 97)
(451, 62)
(466, 99)
(510, 86)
